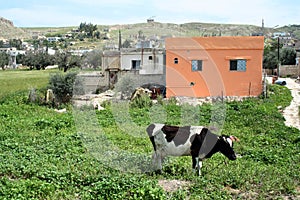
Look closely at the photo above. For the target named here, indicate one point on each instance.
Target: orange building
(214, 66)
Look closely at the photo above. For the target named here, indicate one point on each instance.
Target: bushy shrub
(142, 101)
(37, 96)
(63, 86)
(126, 85)
(160, 99)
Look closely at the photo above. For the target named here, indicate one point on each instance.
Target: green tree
(44, 60)
(36, 44)
(1, 44)
(126, 85)
(38, 60)
(89, 29)
(28, 59)
(62, 61)
(65, 61)
(270, 59)
(97, 34)
(63, 86)
(20, 58)
(17, 43)
(126, 43)
(288, 56)
(3, 60)
(140, 34)
(74, 61)
(93, 58)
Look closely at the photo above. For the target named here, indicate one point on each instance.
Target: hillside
(154, 30)
(193, 28)
(165, 29)
(148, 30)
(9, 31)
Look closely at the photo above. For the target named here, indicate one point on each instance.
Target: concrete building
(214, 66)
(147, 64)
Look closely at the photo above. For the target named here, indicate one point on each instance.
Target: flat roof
(213, 43)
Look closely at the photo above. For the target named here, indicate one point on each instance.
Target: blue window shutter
(241, 65)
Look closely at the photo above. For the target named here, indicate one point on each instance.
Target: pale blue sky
(57, 13)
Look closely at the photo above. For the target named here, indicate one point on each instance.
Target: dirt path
(291, 113)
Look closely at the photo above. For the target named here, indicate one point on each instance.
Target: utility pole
(120, 40)
(278, 56)
(263, 27)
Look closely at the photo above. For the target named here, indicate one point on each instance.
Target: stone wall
(93, 81)
(148, 78)
(286, 71)
(289, 71)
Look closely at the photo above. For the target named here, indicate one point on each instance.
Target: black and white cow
(195, 141)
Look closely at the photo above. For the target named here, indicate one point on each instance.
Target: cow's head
(226, 146)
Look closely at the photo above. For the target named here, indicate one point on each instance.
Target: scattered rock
(173, 185)
(97, 105)
(94, 100)
(232, 191)
(61, 110)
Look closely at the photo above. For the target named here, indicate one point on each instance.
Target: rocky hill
(153, 30)
(189, 29)
(149, 30)
(9, 31)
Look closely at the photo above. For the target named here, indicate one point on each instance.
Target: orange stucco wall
(216, 78)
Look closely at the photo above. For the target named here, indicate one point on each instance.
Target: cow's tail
(150, 131)
(153, 142)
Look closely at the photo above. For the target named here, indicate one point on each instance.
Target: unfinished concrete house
(146, 64)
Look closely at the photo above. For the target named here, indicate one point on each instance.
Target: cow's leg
(194, 162)
(154, 160)
(157, 160)
(197, 164)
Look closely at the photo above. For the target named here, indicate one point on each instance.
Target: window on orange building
(196, 65)
(238, 65)
(175, 60)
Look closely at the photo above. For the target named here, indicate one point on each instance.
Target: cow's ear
(234, 139)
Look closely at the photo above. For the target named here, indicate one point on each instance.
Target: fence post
(265, 86)
(249, 89)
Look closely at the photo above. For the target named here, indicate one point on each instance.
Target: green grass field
(20, 80)
(87, 154)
